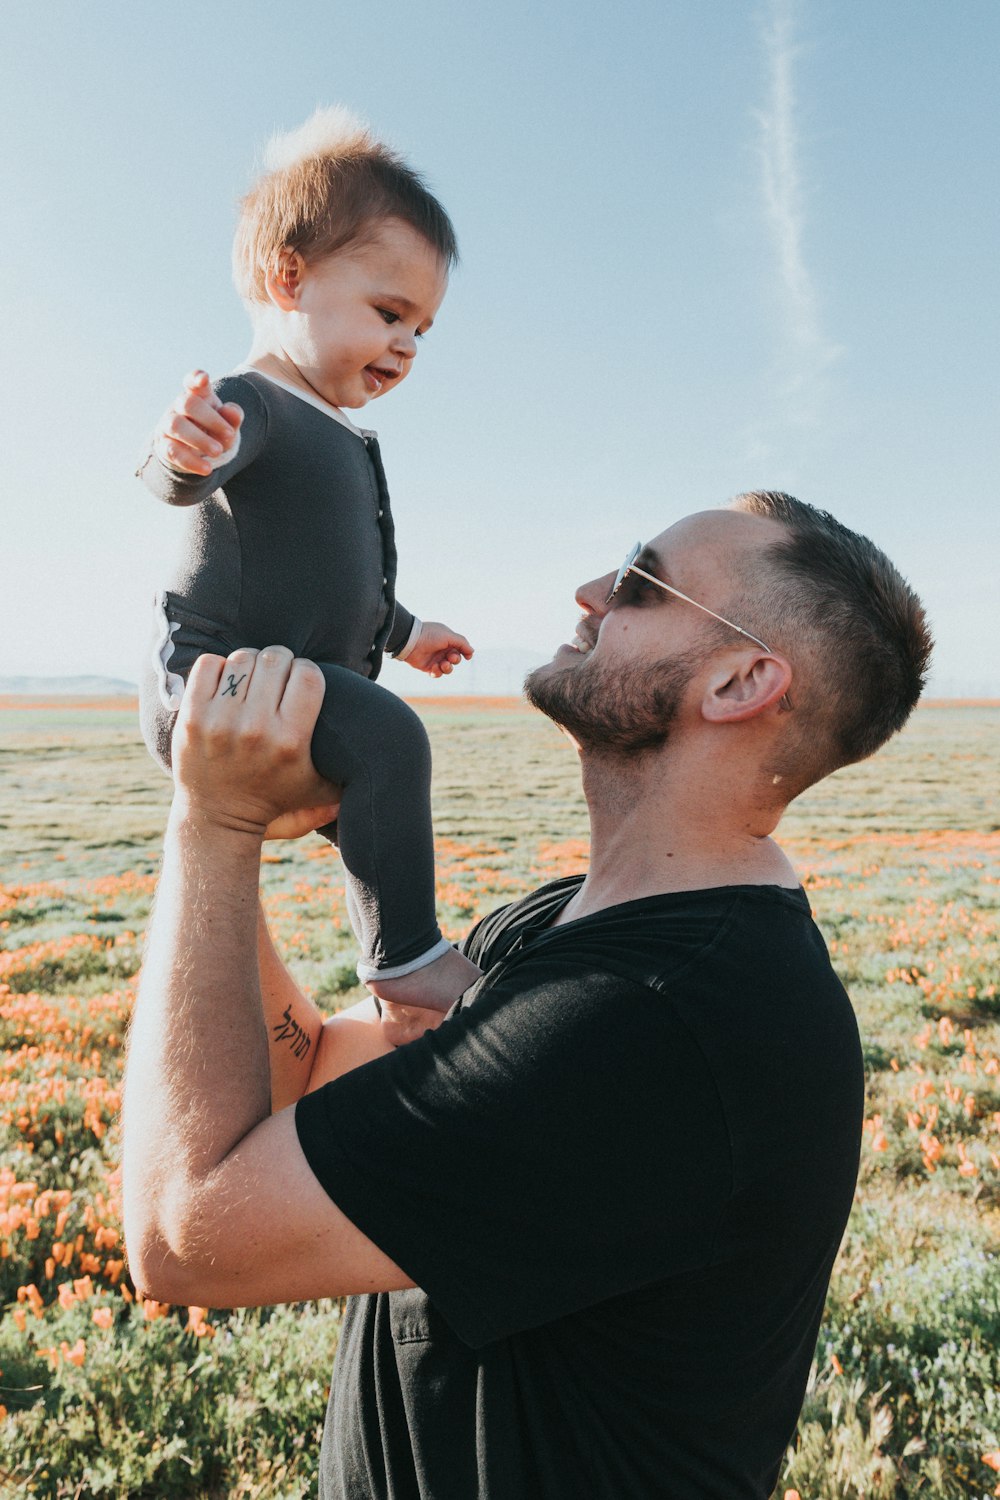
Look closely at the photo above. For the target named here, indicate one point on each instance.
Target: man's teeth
(579, 644)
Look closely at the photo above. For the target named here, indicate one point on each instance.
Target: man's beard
(621, 712)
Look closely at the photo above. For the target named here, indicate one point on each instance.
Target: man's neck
(658, 827)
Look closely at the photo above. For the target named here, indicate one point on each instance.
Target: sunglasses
(628, 567)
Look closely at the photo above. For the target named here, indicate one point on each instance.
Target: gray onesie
(291, 543)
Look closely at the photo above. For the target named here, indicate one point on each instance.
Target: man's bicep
(528, 1158)
(346, 1040)
(263, 1231)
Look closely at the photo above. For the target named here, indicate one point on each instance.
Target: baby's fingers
(197, 383)
(232, 414)
(184, 446)
(216, 421)
(459, 647)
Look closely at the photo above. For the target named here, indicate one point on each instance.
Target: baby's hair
(327, 185)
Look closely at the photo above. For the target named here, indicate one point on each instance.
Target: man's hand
(405, 1023)
(438, 649)
(241, 744)
(295, 825)
(196, 428)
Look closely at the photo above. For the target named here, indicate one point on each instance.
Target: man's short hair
(830, 595)
(328, 185)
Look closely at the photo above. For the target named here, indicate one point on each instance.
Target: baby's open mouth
(380, 376)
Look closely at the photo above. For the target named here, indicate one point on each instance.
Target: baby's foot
(434, 987)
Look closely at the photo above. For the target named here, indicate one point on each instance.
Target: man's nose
(593, 596)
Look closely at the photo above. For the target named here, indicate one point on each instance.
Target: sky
(707, 246)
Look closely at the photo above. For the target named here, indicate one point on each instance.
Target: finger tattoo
(229, 691)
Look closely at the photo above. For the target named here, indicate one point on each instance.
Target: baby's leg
(372, 744)
(179, 637)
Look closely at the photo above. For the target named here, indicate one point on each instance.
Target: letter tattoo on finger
(229, 691)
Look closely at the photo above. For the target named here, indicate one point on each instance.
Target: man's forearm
(294, 1024)
(198, 1077)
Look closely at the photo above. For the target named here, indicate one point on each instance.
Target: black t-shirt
(619, 1173)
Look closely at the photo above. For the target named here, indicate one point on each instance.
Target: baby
(342, 258)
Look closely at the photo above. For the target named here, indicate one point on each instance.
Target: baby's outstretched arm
(437, 649)
(197, 428)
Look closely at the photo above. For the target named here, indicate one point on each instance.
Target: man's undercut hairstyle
(831, 595)
(326, 186)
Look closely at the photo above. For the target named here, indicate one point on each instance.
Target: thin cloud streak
(809, 350)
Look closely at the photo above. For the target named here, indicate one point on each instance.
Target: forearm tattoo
(287, 1030)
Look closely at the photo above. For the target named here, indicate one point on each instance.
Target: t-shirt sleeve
(554, 1144)
(174, 488)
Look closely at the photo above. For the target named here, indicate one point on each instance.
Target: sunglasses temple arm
(668, 588)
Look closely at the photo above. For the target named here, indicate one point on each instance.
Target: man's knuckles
(309, 680)
(273, 658)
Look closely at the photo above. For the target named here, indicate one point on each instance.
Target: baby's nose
(404, 342)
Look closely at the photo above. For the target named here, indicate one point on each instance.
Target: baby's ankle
(434, 987)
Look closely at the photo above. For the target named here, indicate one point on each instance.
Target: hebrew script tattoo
(229, 691)
(290, 1031)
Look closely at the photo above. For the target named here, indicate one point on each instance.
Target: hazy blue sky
(707, 246)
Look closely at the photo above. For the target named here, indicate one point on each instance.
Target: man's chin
(623, 713)
(556, 690)
(540, 685)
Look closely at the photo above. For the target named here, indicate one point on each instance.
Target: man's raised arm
(220, 1204)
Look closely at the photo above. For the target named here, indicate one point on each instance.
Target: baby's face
(358, 314)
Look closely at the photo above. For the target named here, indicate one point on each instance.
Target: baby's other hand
(438, 649)
(197, 428)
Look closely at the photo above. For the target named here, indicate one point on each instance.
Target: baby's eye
(388, 316)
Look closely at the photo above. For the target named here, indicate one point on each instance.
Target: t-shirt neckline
(542, 919)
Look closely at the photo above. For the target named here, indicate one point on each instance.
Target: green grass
(901, 859)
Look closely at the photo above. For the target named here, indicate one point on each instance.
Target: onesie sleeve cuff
(400, 653)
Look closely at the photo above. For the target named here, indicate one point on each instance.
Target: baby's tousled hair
(327, 185)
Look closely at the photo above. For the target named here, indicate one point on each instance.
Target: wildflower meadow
(103, 1393)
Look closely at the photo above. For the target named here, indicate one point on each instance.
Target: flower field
(105, 1394)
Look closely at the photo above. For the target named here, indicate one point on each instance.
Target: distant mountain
(67, 687)
(493, 672)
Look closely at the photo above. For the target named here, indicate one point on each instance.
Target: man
(620, 1170)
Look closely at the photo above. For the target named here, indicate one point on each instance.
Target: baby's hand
(438, 649)
(197, 428)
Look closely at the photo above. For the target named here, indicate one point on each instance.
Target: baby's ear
(284, 280)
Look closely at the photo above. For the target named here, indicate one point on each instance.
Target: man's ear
(284, 280)
(744, 688)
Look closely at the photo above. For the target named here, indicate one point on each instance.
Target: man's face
(620, 685)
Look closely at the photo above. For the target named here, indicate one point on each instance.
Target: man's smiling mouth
(582, 640)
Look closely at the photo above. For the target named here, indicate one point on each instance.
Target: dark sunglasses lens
(631, 587)
(623, 570)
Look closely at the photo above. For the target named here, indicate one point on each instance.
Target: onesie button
(385, 582)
